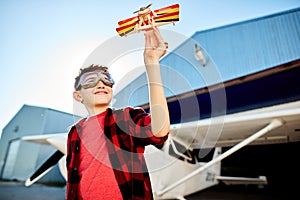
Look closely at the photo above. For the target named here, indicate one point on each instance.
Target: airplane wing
(167, 14)
(231, 129)
(127, 25)
(275, 124)
(59, 141)
(128, 21)
(169, 9)
(126, 29)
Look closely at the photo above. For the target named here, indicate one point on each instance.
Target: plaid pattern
(127, 133)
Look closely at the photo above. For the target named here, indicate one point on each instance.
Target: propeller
(44, 168)
(142, 8)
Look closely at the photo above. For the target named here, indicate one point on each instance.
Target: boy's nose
(100, 84)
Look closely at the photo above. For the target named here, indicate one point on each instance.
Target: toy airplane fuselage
(145, 16)
(147, 19)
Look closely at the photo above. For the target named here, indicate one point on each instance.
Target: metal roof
(253, 45)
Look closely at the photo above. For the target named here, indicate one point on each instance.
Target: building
(20, 159)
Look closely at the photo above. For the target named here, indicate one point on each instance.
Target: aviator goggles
(91, 79)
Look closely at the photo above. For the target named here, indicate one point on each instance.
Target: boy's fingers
(158, 36)
(148, 39)
(159, 40)
(166, 45)
(153, 39)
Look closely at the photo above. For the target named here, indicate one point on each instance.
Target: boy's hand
(155, 47)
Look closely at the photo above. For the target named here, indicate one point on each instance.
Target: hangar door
(10, 159)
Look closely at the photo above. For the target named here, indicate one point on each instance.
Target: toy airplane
(147, 19)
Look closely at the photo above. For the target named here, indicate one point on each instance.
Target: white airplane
(174, 170)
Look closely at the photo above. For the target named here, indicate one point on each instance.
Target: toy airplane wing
(167, 14)
(132, 20)
(162, 16)
(126, 29)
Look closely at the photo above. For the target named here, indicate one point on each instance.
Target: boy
(105, 151)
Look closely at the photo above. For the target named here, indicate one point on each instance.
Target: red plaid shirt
(127, 133)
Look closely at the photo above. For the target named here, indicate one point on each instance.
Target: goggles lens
(91, 79)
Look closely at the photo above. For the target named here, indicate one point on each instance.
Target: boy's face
(95, 91)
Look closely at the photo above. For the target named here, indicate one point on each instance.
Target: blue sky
(44, 43)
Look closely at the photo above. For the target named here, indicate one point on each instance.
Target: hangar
(19, 159)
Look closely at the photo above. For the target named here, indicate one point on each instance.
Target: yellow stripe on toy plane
(123, 30)
(169, 9)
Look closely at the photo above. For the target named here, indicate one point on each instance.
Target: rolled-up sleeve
(140, 128)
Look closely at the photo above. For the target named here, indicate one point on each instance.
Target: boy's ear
(77, 96)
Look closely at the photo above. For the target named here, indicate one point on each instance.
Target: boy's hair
(90, 68)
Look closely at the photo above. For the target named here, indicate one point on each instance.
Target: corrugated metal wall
(253, 45)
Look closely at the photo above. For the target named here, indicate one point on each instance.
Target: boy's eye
(106, 78)
(90, 80)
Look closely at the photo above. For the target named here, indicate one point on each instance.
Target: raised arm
(155, 48)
